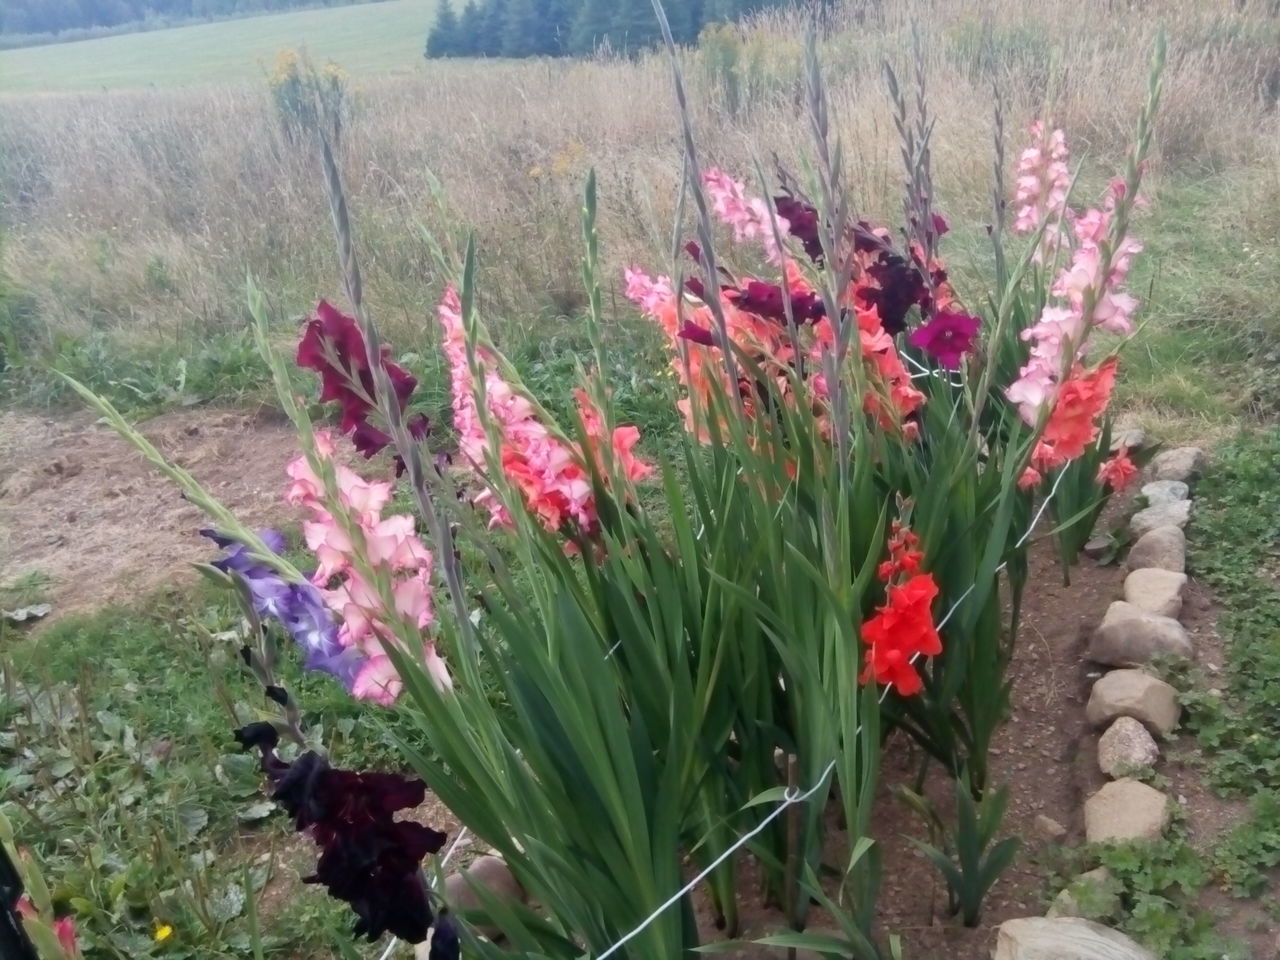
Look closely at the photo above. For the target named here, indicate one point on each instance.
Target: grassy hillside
(366, 38)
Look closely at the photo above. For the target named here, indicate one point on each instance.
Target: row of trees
(557, 28)
(56, 16)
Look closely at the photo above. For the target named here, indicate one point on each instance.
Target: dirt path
(80, 506)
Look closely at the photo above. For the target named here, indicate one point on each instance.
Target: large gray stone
(1163, 547)
(1126, 748)
(1173, 514)
(1092, 894)
(1129, 636)
(1134, 438)
(1165, 491)
(1132, 693)
(1155, 591)
(1126, 810)
(1063, 938)
(1183, 463)
(489, 872)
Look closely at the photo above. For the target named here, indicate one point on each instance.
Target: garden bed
(1045, 753)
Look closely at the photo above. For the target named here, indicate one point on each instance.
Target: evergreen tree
(522, 34)
(558, 16)
(495, 23)
(470, 29)
(443, 40)
(591, 26)
(635, 26)
(686, 20)
(715, 11)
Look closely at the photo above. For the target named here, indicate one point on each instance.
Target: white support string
(791, 798)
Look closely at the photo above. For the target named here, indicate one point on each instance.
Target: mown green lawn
(363, 39)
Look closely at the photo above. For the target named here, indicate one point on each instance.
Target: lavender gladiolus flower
(298, 607)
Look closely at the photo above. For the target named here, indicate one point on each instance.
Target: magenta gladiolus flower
(946, 338)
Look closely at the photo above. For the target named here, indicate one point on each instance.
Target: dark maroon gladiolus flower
(334, 347)
(367, 857)
(898, 287)
(691, 331)
(940, 225)
(946, 338)
(802, 223)
(445, 944)
(766, 300)
(697, 288)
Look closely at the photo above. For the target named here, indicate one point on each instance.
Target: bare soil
(80, 506)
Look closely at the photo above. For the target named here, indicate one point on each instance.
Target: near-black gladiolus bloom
(367, 857)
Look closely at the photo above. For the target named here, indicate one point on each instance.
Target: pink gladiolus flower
(1034, 388)
(379, 681)
(1042, 180)
(388, 545)
(1084, 274)
(648, 294)
(437, 668)
(749, 218)
(64, 928)
(549, 473)
(1114, 312)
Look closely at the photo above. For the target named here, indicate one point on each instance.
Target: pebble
(1126, 748)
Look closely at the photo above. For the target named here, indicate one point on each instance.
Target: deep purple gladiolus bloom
(899, 287)
(802, 223)
(946, 338)
(367, 857)
(298, 607)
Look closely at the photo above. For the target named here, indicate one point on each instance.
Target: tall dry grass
(141, 212)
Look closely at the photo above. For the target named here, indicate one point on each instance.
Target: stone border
(1135, 710)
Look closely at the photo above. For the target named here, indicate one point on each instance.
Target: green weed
(27, 590)
(119, 771)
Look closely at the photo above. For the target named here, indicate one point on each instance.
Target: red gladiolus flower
(333, 346)
(904, 557)
(901, 631)
(1072, 425)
